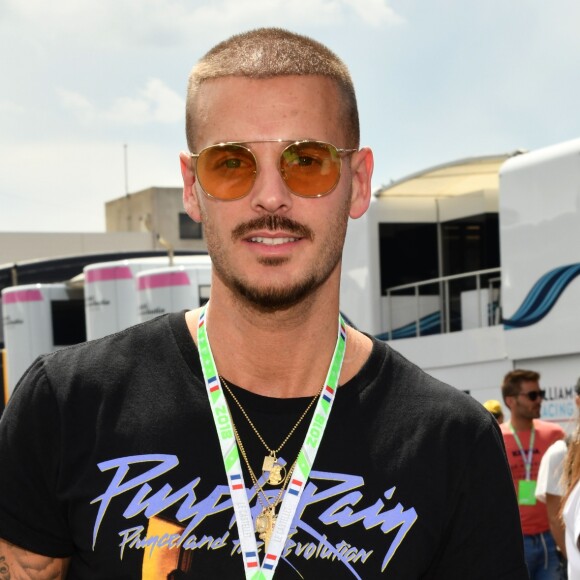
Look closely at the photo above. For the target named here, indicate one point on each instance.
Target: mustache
(272, 223)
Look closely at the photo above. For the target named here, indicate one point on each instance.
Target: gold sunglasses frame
(341, 151)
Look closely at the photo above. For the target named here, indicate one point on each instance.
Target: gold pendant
(269, 461)
(277, 474)
(265, 523)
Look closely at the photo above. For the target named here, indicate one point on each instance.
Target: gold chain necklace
(266, 520)
(270, 464)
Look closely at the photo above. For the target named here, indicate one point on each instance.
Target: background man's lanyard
(233, 467)
(527, 459)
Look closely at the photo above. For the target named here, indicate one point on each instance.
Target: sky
(92, 93)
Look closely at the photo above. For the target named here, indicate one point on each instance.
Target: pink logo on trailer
(22, 296)
(164, 280)
(109, 273)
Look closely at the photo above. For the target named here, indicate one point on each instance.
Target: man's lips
(272, 230)
(268, 241)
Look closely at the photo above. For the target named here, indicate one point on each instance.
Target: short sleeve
(30, 515)
(486, 520)
(550, 471)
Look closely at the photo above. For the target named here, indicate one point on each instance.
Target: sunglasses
(533, 395)
(227, 171)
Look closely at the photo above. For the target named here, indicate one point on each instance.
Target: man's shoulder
(390, 367)
(557, 450)
(143, 341)
(547, 431)
(104, 364)
(394, 366)
(507, 434)
(549, 428)
(419, 390)
(134, 334)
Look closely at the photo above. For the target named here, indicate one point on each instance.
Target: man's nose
(269, 192)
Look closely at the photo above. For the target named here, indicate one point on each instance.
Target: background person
(494, 407)
(570, 507)
(526, 440)
(551, 487)
(550, 490)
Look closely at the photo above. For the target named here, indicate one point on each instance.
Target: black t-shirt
(109, 455)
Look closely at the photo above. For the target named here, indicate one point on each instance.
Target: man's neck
(284, 353)
(521, 423)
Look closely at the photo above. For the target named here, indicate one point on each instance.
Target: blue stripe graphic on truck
(542, 297)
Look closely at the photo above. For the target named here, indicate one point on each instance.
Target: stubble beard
(271, 298)
(529, 414)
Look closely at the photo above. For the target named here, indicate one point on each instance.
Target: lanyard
(231, 458)
(527, 459)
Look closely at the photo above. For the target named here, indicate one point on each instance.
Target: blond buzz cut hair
(266, 53)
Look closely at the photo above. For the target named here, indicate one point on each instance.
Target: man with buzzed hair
(260, 435)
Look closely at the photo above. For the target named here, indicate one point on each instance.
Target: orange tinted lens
(226, 171)
(311, 168)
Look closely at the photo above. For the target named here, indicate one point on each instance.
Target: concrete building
(158, 211)
(148, 220)
(24, 246)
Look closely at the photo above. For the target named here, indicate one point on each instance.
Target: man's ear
(190, 201)
(509, 401)
(362, 164)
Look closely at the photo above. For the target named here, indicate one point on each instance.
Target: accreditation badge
(526, 492)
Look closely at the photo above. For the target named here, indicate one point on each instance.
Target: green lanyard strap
(231, 458)
(529, 457)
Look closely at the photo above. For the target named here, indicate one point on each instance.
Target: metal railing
(445, 297)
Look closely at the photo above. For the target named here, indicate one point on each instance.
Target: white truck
(41, 318)
(490, 278)
(117, 295)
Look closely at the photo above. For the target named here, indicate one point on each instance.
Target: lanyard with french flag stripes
(231, 458)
